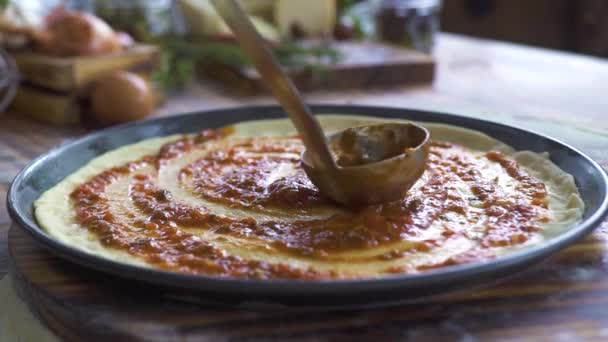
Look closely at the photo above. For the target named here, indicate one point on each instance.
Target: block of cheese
(311, 17)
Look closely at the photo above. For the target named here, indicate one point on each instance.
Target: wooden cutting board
(83, 305)
(55, 89)
(363, 65)
(71, 74)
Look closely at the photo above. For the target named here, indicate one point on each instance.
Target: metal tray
(49, 169)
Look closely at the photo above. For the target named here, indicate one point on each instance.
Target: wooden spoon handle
(278, 82)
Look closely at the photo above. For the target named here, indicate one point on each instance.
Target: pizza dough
(234, 203)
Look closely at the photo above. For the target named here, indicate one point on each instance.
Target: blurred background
(571, 25)
(73, 56)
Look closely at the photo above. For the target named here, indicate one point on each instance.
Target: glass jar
(412, 23)
(9, 80)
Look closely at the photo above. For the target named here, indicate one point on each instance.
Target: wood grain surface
(71, 75)
(568, 291)
(565, 298)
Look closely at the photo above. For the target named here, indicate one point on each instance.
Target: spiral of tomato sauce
(164, 230)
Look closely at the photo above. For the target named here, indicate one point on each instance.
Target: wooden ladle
(366, 164)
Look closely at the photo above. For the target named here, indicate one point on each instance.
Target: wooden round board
(79, 304)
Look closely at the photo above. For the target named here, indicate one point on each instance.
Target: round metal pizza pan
(50, 168)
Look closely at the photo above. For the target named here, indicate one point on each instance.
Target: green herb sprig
(314, 58)
(180, 57)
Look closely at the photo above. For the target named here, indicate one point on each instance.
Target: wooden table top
(562, 95)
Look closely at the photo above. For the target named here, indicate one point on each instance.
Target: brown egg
(121, 97)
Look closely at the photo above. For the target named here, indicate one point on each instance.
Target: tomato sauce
(240, 176)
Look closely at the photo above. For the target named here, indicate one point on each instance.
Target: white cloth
(17, 323)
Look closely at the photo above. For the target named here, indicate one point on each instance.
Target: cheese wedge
(312, 17)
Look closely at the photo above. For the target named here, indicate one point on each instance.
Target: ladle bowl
(374, 163)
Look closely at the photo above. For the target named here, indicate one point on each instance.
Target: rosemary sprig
(295, 55)
(313, 58)
(180, 57)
